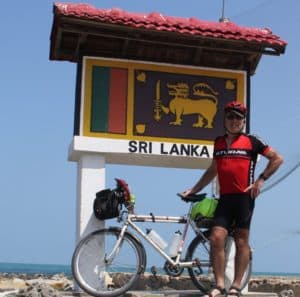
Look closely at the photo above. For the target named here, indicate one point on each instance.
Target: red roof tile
(159, 22)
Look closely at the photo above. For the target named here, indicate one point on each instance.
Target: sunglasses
(234, 116)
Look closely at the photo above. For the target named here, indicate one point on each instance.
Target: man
(234, 161)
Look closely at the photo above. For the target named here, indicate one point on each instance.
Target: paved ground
(174, 293)
(164, 293)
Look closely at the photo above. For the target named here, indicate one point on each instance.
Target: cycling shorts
(234, 210)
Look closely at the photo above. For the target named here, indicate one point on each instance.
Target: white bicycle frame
(132, 218)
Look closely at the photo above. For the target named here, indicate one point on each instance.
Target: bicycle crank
(173, 270)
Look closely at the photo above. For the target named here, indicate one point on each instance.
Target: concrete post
(90, 179)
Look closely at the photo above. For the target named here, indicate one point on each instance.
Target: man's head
(235, 117)
(236, 108)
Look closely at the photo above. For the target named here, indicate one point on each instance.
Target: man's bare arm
(275, 160)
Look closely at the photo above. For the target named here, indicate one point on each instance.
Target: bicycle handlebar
(192, 197)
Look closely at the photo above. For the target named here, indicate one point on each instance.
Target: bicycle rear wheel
(97, 275)
(201, 274)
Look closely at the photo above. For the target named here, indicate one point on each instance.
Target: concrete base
(187, 293)
(174, 293)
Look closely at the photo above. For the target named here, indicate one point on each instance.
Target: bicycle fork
(108, 259)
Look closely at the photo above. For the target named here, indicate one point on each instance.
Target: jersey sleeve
(259, 145)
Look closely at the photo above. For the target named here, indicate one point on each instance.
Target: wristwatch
(262, 176)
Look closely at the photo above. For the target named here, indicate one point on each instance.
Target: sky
(38, 183)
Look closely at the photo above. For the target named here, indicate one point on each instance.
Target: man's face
(234, 123)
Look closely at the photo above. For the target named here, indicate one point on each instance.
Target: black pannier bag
(107, 204)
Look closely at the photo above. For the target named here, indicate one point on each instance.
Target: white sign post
(90, 179)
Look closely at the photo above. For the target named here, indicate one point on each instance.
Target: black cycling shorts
(234, 210)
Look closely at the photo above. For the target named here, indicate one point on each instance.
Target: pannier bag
(203, 212)
(204, 208)
(107, 204)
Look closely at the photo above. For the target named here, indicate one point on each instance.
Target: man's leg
(217, 247)
(242, 256)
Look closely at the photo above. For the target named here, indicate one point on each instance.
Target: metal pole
(223, 10)
(223, 19)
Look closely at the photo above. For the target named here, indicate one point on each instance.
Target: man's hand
(187, 192)
(254, 189)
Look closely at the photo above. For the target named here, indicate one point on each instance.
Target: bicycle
(109, 261)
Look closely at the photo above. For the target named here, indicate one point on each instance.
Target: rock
(38, 290)
(14, 283)
(279, 285)
(11, 294)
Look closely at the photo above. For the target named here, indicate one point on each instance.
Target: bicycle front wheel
(202, 273)
(98, 271)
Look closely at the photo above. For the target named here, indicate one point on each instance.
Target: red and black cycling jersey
(236, 163)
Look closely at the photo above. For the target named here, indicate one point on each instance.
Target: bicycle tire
(201, 275)
(101, 279)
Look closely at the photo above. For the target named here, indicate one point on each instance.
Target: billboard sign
(155, 109)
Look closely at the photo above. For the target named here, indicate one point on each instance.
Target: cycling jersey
(236, 163)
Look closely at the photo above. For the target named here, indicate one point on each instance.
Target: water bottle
(154, 236)
(175, 242)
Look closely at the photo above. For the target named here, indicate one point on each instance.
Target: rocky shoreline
(35, 285)
(41, 285)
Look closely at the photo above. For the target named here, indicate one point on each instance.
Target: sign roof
(159, 22)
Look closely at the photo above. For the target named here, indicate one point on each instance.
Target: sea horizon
(49, 269)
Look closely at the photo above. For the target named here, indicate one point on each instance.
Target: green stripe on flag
(100, 99)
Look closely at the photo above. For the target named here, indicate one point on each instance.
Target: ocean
(35, 268)
(66, 269)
